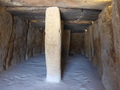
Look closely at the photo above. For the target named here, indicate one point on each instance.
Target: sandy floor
(78, 74)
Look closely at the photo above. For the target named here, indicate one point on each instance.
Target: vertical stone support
(65, 43)
(53, 44)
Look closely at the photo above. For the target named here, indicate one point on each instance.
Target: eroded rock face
(97, 47)
(6, 25)
(16, 40)
(107, 49)
(20, 31)
(106, 46)
(91, 47)
(75, 43)
(82, 36)
(39, 41)
(91, 4)
(87, 43)
(65, 42)
(116, 38)
(35, 41)
(30, 41)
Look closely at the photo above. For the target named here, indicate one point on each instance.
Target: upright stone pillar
(53, 44)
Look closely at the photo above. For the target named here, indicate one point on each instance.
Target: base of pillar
(56, 79)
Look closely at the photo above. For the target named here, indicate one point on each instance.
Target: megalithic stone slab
(65, 43)
(53, 44)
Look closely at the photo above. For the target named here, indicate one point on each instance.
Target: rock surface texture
(30, 41)
(35, 40)
(16, 41)
(107, 49)
(19, 40)
(116, 38)
(75, 43)
(89, 4)
(53, 39)
(6, 29)
(102, 45)
(65, 42)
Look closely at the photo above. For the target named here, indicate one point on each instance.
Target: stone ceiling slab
(67, 14)
(87, 4)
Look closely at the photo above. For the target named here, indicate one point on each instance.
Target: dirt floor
(78, 73)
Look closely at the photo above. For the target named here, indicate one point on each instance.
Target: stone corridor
(55, 30)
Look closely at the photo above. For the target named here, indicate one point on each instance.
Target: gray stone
(6, 25)
(65, 43)
(20, 31)
(75, 43)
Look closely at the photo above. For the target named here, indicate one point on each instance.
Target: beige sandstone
(53, 44)
(6, 29)
(116, 38)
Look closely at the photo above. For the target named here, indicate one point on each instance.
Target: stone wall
(87, 43)
(107, 49)
(82, 41)
(102, 45)
(75, 43)
(6, 29)
(35, 41)
(65, 43)
(30, 41)
(39, 41)
(116, 38)
(18, 40)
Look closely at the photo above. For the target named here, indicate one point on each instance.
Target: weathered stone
(90, 4)
(67, 14)
(30, 41)
(116, 38)
(104, 45)
(6, 25)
(65, 42)
(17, 41)
(53, 44)
(35, 41)
(43, 43)
(75, 27)
(107, 49)
(97, 45)
(87, 43)
(20, 40)
(91, 47)
(92, 43)
(39, 41)
(97, 48)
(75, 43)
(82, 42)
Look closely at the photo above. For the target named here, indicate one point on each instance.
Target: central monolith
(53, 44)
